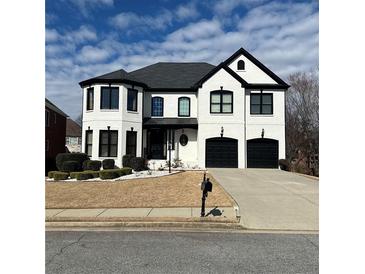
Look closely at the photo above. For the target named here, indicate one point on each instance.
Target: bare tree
(302, 118)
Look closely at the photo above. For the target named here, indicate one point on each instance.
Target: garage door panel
(262, 153)
(221, 152)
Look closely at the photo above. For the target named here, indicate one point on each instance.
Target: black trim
(257, 63)
(111, 81)
(261, 103)
(90, 93)
(108, 144)
(108, 89)
(178, 106)
(136, 93)
(86, 143)
(221, 92)
(172, 89)
(162, 106)
(241, 65)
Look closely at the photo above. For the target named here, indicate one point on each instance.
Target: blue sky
(86, 38)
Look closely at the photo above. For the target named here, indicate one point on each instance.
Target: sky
(87, 38)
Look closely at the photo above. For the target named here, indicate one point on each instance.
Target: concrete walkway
(272, 199)
(184, 212)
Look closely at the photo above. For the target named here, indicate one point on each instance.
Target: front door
(156, 144)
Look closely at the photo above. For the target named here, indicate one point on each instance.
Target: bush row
(114, 173)
(84, 175)
(136, 163)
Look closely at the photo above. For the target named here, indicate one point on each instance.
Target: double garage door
(223, 152)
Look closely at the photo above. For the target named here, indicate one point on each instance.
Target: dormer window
(241, 65)
(157, 106)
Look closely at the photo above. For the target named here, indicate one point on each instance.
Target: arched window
(184, 107)
(221, 101)
(157, 106)
(241, 65)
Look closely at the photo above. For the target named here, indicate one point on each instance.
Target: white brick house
(230, 115)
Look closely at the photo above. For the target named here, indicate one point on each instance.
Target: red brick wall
(55, 134)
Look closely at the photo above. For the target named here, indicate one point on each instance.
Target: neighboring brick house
(55, 133)
(73, 136)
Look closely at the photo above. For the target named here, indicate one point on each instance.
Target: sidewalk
(223, 217)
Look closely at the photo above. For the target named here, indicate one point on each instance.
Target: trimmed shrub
(59, 175)
(108, 164)
(84, 175)
(126, 160)
(73, 174)
(91, 165)
(109, 174)
(70, 166)
(51, 173)
(95, 174)
(284, 164)
(78, 157)
(138, 163)
(125, 171)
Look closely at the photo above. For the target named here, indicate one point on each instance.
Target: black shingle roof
(163, 75)
(53, 107)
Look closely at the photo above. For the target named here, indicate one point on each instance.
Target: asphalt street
(179, 252)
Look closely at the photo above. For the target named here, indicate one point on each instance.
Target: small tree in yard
(302, 120)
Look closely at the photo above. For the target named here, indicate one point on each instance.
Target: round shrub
(70, 166)
(91, 165)
(108, 164)
(58, 175)
(78, 157)
(126, 160)
(138, 163)
(284, 164)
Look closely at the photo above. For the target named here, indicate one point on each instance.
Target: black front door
(156, 144)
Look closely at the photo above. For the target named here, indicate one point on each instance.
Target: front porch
(170, 138)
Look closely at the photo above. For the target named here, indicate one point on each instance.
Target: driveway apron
(272, 199)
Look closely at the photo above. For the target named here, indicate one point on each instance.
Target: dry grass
(178, 190)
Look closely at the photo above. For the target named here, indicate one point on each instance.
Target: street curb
(205, 225)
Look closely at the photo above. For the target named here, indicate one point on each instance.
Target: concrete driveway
(272, 199)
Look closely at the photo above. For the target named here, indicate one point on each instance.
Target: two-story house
(230, 115)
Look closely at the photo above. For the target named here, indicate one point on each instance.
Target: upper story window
(132, 99)
(184, 107)
(241, 65)
(90, 99)
(221, 101)
(261, 103)
(47, 118)
(108, 143)
(157, 106)
(109, 98)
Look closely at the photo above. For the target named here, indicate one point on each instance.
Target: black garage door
(262, 153)
(221, 152)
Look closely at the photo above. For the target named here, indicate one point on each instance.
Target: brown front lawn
(177, 190)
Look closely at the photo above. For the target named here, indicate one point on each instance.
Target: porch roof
(170, 122)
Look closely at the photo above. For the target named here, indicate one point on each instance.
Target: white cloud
(51, 35)
(187, 11)
(86, 5)
(226, 6)
(284, 36)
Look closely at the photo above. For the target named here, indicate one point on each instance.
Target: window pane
(227, 98)
(105, 98)
(114, 98)
(114, 137)
(227, 108)
(157, 106)
(89, 137)
(113, 151)
(184, 107)
(216, 98)
(104, 150)
(90, 99)
(267, 109)
(104, 137)
(132, 100)
(215, 108)
(266, 98)
(255, 98)
(88, 150)
(255, 109)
